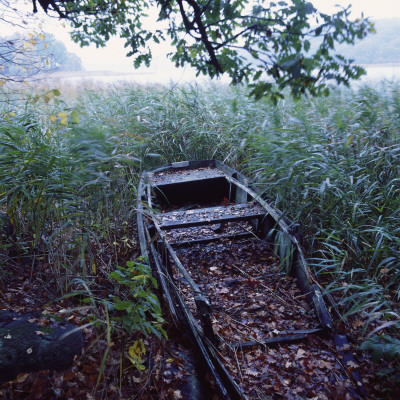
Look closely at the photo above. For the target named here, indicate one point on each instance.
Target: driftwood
(26, 346)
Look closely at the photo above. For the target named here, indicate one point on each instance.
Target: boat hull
(189, 210)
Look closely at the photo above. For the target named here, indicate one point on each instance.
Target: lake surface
(375, 74)
(378, 72)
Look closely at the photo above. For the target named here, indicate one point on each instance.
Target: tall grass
(333, 164)
(69, 169)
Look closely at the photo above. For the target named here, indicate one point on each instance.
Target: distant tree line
(23, 56)
(382, 47)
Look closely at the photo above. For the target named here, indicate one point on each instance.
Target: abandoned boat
(234, 275)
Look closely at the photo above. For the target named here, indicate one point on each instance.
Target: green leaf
(385, 347)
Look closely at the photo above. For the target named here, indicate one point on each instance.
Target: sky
(113, 56)
(376, 9)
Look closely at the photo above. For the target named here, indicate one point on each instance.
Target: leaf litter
(286, 371)
(253, 300)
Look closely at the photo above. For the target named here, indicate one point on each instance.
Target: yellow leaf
(137, 350)
(349, 140)
(53, 118)
(135, 353)
(74, 116)
(32, 41)
(94, 267)
(35, 99)
(62, 114)
(41, 36)
(64, 121)
(47, 62)
(139, 366)
(2, 83)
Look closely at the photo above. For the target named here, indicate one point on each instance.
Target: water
(378, 72)
(375, 74)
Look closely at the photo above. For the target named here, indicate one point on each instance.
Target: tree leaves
(228, 37)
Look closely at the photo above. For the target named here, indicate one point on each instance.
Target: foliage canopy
(288, 42)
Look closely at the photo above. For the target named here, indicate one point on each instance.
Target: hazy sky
(113, 57)
(372, 8)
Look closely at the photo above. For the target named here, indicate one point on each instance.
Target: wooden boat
(219, 251)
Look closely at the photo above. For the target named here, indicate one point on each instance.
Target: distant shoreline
(381, 65)
(90, 74)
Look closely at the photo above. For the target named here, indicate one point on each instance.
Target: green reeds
(69, 169)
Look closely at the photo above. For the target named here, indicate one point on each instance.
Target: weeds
(139, 302)
(69, 169)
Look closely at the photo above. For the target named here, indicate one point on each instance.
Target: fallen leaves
(244, 310)
(135, 354)
(300, 354)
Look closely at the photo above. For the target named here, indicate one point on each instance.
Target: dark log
(314, 298)
(26, 346)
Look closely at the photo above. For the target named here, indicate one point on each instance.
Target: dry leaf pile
(252, 300)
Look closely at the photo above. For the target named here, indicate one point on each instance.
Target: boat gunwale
(300, 268)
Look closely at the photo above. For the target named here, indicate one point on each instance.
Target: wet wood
(205, 211)
(210, 215)
(27, 346)
(295, 337)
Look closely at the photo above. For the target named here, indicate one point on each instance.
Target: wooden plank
(295, 337)
(145, 240)
(210, 215)
(316, 300)
(171, 178)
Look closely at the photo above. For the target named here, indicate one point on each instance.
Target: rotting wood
(175, 228)
(210, 216)
(282, 339)
(26, 346)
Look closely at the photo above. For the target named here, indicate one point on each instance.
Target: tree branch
(203, 33)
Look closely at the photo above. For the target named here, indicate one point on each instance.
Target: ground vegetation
(69, 167)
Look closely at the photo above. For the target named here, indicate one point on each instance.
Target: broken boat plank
(210, 215)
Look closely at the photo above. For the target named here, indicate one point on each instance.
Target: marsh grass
(69, 183)
(334, 165)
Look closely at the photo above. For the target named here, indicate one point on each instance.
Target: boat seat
(210, 215)
(164, 179)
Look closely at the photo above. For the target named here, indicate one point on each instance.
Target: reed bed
(69, 166)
